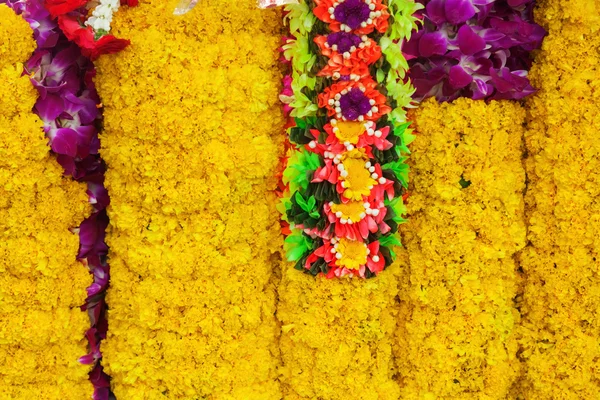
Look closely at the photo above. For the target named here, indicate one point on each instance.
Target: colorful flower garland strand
(69, 107)
(345, 97)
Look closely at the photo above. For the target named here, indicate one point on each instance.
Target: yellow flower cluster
(456, 323)
(42, 330)
(337, 336)
(560, 305)
(192, 138)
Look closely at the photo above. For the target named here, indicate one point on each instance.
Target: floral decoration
(90, 34)
(194, 228)
(560, 298)
(70, 110)
(346, 95)
(41, 283)
(476, 49)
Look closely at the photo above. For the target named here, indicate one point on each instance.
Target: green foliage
(297, 245)
(301, 166)
(400, 169)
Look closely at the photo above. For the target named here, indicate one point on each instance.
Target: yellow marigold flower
(456, 323)
(192, 138)
(560, 304)
(42, 330)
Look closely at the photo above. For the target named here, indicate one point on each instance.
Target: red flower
(367, 85)
(129, 3)
(61, 7)
(357, 64)
(379, 23)
(106, 45)
(84, 38)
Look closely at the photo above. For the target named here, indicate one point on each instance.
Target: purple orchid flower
(473, 48)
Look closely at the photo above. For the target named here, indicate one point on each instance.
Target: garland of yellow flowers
(41, 283)
(346, 98)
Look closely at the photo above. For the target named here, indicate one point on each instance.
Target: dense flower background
(495, 294)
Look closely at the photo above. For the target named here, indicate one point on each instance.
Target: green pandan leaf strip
(400, 169)
(297, 245)
(399, 208)
(402, 22)
(282, 206)
(302, 106)
(298, 52)
(380, 76)
(299, 18)
(300, 164)
(393, 55)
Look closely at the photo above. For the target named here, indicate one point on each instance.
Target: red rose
(129, 3)
(61, 7)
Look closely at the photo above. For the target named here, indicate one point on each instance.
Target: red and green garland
(345, 177)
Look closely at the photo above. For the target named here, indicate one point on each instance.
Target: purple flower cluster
(473, 48)
(343, 40)
(352, 13)
(68, 105)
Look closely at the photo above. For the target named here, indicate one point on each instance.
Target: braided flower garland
(345, 170)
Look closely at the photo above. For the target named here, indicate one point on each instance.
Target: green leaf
(315, 214)
(301, 202)
(390, 241)
(297, 245)
(300, 165)
(300, 123)
(400, 169)
(312, 202)
(464, 183)
(399, 208)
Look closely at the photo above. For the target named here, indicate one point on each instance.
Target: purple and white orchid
(473, 48)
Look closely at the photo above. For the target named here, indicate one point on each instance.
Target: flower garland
(194, 229)
(560, 301)
(68, 105)
(345, 173)
(41, 284)
(475, 49)
(91, 34)
(457, 321)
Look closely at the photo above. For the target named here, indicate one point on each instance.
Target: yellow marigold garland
(192, 139)
(456, 326)
(41, 283)
(337, 335)
(559, 335)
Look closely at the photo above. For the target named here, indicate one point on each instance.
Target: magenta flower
(473, 48)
